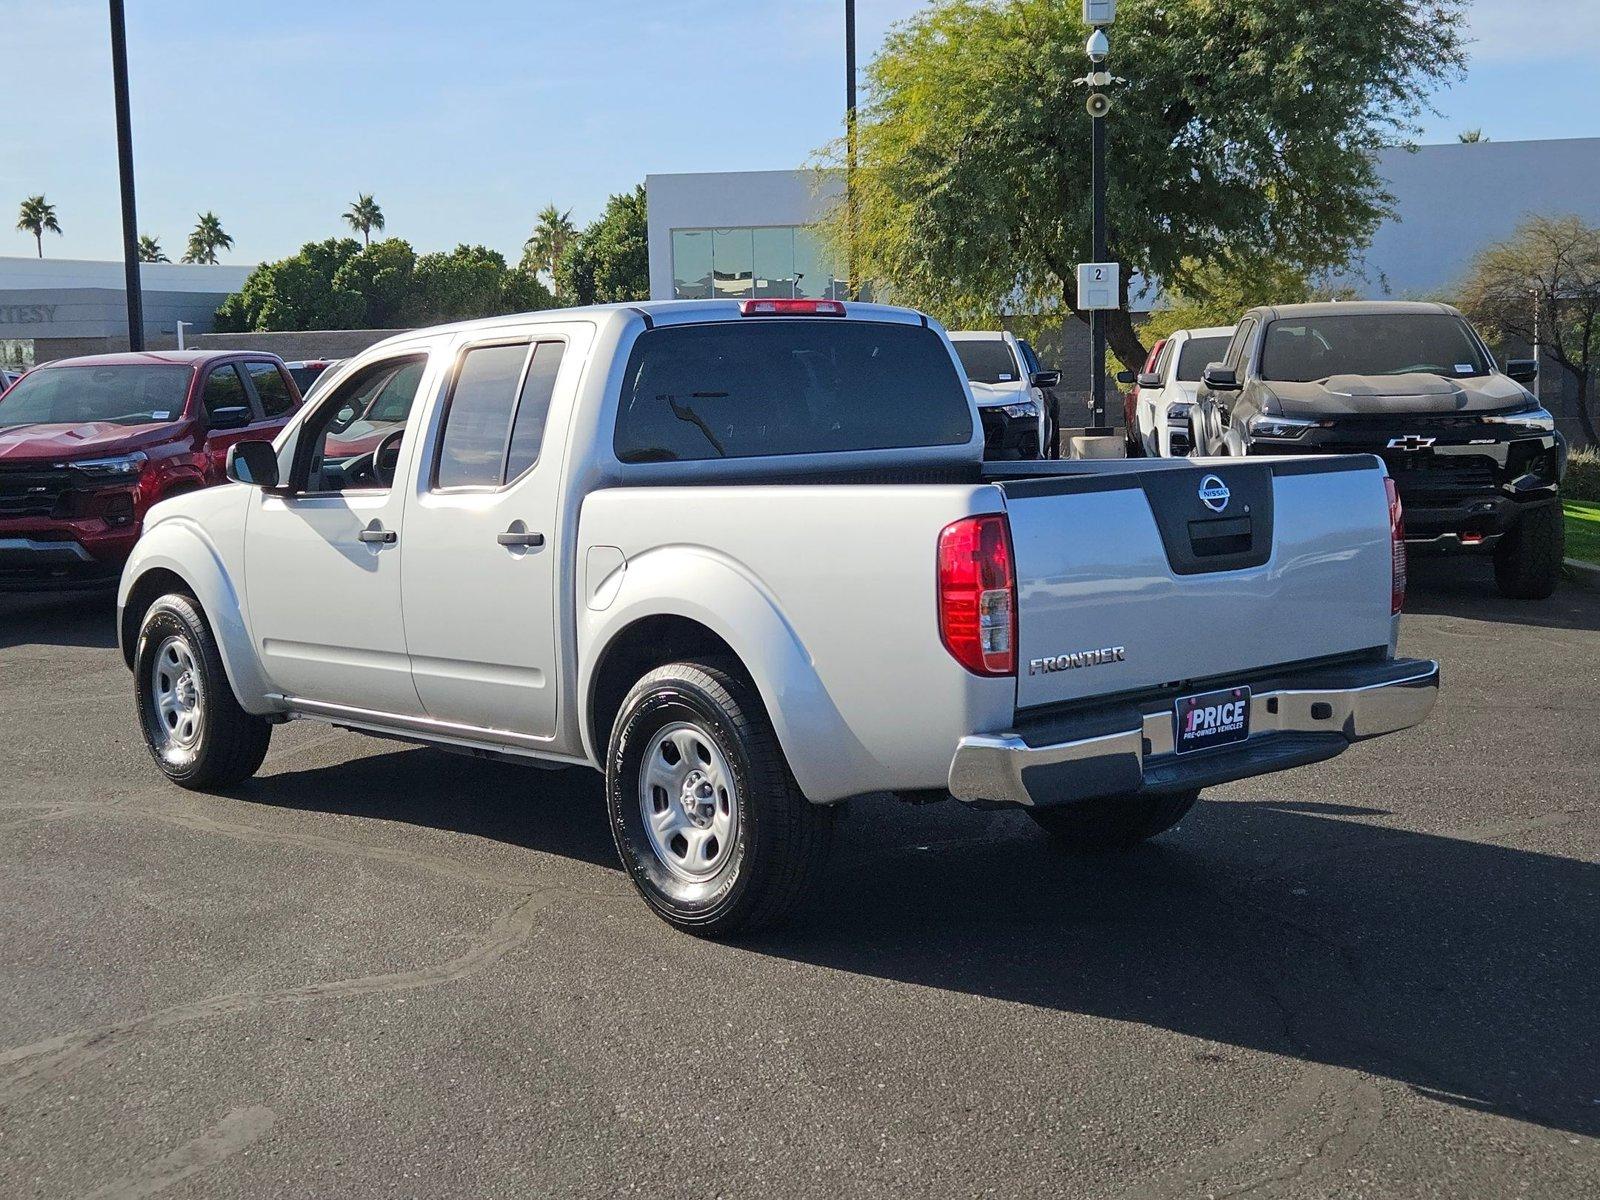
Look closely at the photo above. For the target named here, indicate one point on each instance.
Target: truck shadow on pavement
(1464, 970)
(1464, 587)
(87, 619)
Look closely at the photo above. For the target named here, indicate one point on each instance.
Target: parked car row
(1476, 458)
(747, 560)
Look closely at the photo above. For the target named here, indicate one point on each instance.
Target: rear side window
(274, 392)
(742, 389)
(494, 424)
(226, 401)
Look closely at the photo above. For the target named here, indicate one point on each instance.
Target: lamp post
(850, 146)
(130, 222)
(1099, 282)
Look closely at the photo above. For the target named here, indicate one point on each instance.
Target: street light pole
(850, 145)
(130, 222)
(1097, 318)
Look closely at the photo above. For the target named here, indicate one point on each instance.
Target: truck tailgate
(1132, 578)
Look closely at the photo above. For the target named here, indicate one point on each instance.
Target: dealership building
(58, 307)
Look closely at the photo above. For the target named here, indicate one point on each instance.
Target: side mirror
(255, 463)
(1150, 379)
(229, 418)
(1220, 378)
(1046, 379)
(1126, 378)
(1523, 370)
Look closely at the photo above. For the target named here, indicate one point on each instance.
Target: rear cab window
(753, 388)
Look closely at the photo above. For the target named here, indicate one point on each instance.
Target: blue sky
(465, 118)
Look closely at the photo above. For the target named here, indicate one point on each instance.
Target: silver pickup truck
(745, 559)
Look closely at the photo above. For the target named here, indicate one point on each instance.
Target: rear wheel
(193, 725)
(1527, 562)
(705, 813)
(1113, 823)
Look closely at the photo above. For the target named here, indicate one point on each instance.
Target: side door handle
(378, 534)
(519, 537)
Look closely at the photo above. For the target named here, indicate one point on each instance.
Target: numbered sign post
(1099, 286)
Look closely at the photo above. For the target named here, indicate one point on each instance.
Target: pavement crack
(49, 1060)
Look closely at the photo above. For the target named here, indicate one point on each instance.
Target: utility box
(1099, 12)
(1099, 286)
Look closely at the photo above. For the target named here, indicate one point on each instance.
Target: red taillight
(1397, 549)
(977, 595)
(791, 308)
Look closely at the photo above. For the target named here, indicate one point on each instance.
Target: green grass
(1583, 530)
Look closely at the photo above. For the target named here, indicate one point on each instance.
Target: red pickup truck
(87, 445)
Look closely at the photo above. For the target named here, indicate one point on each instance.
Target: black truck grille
(1426, 474)
(31, 491)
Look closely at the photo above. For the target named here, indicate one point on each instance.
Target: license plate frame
(1207, 720)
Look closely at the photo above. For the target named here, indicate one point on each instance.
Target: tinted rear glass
(132, 395)
(987, 362)
(1196, 353)
(759, 387)
(1306, 349)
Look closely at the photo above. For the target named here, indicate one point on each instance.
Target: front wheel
(1113, 823)
(708, 820)
(1527, 562)
(193, 725)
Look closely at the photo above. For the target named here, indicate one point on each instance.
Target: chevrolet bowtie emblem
(1411, 442)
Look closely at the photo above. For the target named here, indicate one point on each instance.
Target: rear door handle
(518, 537)
(377, 533)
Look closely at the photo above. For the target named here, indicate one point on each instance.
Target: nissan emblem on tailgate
(1214, 493)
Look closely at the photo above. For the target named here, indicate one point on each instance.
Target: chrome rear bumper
(1123, 749)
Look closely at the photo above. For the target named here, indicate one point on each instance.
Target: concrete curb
(1585, 574)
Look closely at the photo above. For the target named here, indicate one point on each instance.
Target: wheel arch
(677, 603)
(176, 556)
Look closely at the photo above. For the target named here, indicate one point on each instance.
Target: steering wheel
(378, 464)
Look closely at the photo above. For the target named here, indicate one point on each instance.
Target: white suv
(1017, 421)
(1167, 390)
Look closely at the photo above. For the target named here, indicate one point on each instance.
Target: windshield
(987, 361)
(1309, 349)
(1197, 354)
(131, 395)
(748, 388)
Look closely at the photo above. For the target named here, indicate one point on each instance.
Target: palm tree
(550, 239)
(206, 240)
(35, 216)
(150, 249)
(365, 215)
(1471, 135)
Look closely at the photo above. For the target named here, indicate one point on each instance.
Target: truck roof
(656, 312)
(1363, 308)
(159, 358)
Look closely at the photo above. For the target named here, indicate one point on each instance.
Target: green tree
(1545, 278)
(1471, 136)
(206, 239)
(364, 216)
(1245, 136)
(551, 236)
(609, 262)
(382, 276)
(296, 293)
(35, 216)
(150, 250)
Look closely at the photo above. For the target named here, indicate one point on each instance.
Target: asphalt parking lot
(385, 971)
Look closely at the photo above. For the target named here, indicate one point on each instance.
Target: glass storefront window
(691, 264)
(732, 262)
(775, 261)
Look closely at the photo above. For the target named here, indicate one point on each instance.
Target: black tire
(228, 743)
(779, 839)
(1116, 823)
(1527, 562)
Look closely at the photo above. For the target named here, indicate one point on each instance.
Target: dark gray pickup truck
(1476, 459)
